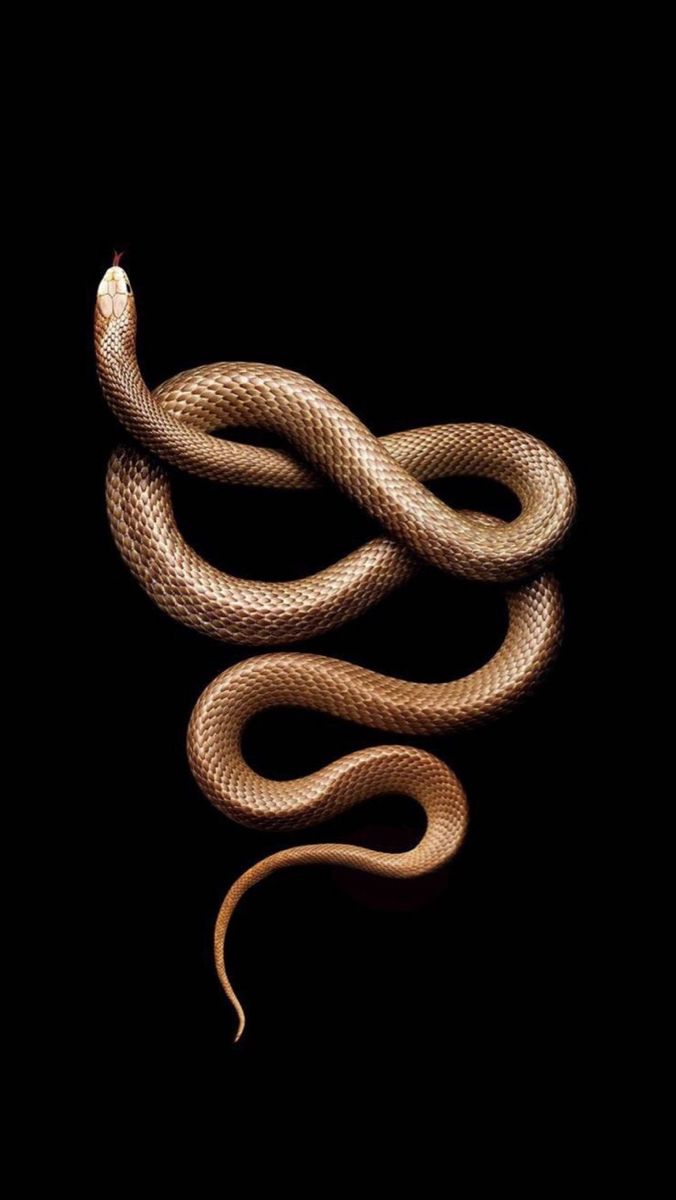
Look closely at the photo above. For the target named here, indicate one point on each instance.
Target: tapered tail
(446, 824)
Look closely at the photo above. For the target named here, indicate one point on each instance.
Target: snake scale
(175, 424)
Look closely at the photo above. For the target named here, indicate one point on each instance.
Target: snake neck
(119, 375)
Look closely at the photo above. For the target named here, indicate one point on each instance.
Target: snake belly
(386, 477)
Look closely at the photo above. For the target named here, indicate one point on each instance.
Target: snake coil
(175, 423)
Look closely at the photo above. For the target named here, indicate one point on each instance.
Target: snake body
(175, 423)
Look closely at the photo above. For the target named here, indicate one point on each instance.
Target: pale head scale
(113, 291)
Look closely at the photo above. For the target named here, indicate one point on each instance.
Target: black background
(483, 968)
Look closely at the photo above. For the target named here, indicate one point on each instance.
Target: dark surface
(480, 967)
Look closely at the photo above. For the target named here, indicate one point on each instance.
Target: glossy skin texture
(382, 475)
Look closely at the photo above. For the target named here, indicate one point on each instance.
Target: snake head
(113, 292)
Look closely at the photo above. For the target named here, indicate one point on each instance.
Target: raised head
(113, 291)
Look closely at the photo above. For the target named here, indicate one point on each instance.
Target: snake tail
(435, 787)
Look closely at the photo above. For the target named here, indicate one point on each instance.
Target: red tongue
(117, 255)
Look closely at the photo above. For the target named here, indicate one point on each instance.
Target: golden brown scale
(382, 475)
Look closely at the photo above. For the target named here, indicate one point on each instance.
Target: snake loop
(385, 476)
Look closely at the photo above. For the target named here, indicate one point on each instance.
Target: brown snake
(383, 476)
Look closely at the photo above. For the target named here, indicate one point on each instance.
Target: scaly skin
(384, 476)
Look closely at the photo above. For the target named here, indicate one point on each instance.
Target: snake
(175, 425)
